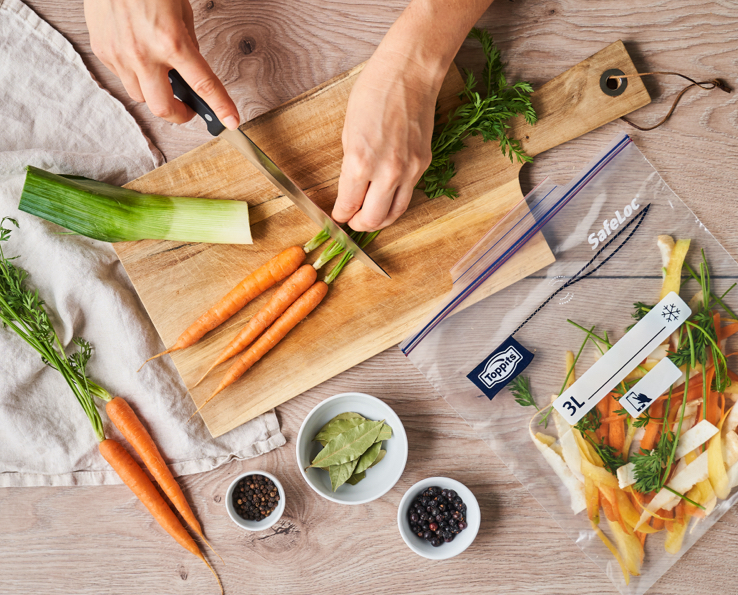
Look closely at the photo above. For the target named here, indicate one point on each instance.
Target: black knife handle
(186, 95)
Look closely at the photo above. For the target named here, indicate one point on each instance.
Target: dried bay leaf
(385, 433)
(366, 460)
(356, 478)
(349, 415)
(342, 416)
(349, 445)
(341, 473)
(335, 427)
(380, 456)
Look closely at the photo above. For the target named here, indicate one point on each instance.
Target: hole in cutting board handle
(613, 87)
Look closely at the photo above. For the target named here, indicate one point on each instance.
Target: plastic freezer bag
(619, 235)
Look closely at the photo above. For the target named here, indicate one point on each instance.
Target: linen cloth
(56, 117)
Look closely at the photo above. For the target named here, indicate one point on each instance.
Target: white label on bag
(649, 388)
(650, 332)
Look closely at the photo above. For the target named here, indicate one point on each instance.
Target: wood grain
(100, 540)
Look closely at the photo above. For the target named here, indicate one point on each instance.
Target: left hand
(386, 141)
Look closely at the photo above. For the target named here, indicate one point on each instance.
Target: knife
(269, 169)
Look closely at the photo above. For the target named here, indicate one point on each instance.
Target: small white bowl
(462, 541)
(255, 525)
(380, 479)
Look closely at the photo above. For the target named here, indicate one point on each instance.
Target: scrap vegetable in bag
(607, 380)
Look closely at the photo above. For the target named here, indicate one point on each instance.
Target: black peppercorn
(255, 497)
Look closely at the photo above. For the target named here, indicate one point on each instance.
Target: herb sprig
(484, 115)
(520, 389)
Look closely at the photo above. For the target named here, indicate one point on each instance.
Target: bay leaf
(385, 433)
(366, 460)
(349, 445)
(380, 456)
(341, 473)
(356, 478)
(344, 416)
(335, 427)
(349, 415)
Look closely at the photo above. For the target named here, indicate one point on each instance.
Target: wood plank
(365, 314)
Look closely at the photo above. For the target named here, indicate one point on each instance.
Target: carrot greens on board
(671, 465)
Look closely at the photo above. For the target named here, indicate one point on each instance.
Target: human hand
(386, 141)
(141, 40)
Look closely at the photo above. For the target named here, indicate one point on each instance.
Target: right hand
(141, 40)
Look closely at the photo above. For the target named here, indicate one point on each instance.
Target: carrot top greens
(22, 311)
(483, 114)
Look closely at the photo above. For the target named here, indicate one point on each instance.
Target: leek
(112, 214)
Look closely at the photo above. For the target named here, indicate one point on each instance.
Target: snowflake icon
(670, 312)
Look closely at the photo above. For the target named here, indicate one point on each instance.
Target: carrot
(305, 304)
(603, 408)
(679, 511)
(279, 267)
(668, 519)
(617, 428)
(297, 284)
(653, 426)
(140, 484)
(729, 330)
(607, 507)
(128, 423)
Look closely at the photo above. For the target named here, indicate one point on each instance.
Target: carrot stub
(140, 484)
(279, 267)
(603, 408)
(617, 427)
(295, 285)
(305, 304)
(653, 427)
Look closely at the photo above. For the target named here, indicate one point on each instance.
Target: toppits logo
(496, 370)
(500, 367)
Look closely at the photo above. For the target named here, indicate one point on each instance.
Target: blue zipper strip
(559, 202)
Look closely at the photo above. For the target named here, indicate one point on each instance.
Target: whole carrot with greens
(22, 311)
(295, 285)
(252, 286)
(291, 317)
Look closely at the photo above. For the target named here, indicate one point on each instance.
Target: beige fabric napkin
(56, 117)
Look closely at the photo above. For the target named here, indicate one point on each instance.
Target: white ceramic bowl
(255, 525)
(380, 479)
(462, 541)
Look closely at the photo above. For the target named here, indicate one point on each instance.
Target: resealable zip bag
(617, 233)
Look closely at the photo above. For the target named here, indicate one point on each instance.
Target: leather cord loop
(706, 85)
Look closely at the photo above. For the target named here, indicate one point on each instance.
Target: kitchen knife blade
(269, 169)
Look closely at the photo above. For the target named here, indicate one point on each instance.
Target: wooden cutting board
(363, 313)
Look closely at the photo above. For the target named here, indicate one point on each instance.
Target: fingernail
(230, 123)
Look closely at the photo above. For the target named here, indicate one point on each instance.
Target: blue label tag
(499, 368)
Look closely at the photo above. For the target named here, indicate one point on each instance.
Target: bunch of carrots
(297, 297)
(22, 311)
(687, 455)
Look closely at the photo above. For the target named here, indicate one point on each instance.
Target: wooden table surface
(101, 540)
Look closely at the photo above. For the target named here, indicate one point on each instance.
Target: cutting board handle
(574, 103)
